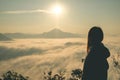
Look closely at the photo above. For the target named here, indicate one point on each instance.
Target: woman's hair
(95, 36)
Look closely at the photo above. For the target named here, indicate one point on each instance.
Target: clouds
(29, 56)
(25, 11)
(36, 48)
(11, 53)
(33, 57)
(74, 43)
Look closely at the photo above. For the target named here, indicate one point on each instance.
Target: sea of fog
(33, 57)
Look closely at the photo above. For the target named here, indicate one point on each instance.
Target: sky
(77, 16)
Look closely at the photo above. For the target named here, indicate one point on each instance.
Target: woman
(96, 65)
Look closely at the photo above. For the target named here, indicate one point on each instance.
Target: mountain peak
(56, 30)
(57, 33)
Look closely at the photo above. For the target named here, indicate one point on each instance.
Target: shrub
(75, 75)
(11, 75)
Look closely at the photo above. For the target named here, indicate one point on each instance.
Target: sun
(57, 10)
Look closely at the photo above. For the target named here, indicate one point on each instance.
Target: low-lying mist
(33, 57)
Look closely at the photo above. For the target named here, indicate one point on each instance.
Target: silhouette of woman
(96, 65)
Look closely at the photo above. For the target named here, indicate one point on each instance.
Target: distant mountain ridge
(54, 33)
(4, 38)
(57, 33)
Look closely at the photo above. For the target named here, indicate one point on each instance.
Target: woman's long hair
(95, 36)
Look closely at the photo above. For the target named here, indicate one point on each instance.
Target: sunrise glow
(57, 10)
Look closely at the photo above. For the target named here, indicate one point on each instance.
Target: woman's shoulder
(99, 50)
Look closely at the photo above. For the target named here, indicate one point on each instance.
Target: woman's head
(95, 36)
